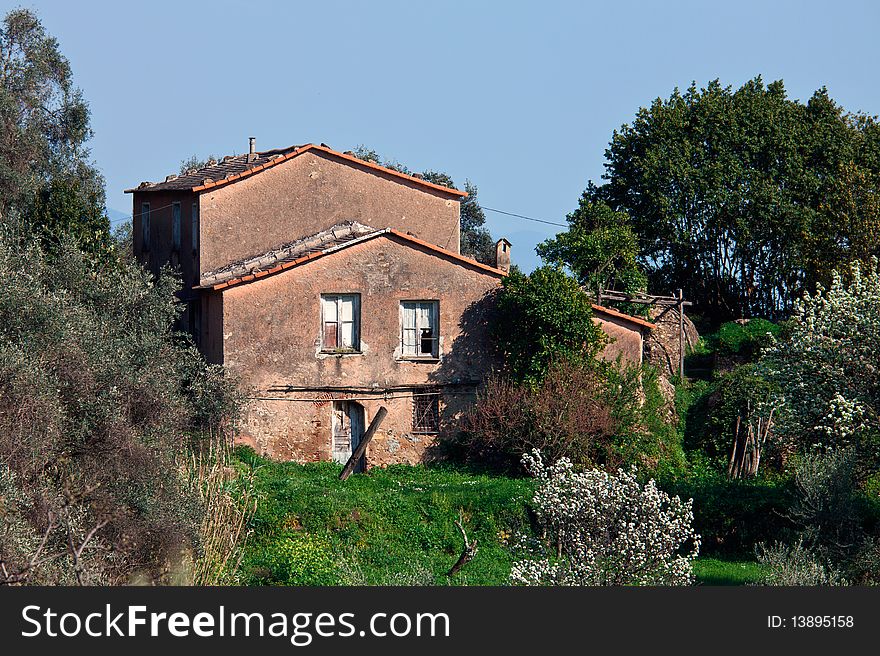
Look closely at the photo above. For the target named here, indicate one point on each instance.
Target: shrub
(595, 415)
(95, 417)
(300, 559)
(566, 414)
(827, 508)
(542, 318)
(734, 515)
(825, 371)
(744, 340)
(795, 564)
(609, 529)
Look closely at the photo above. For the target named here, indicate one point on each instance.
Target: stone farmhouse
(333, 286)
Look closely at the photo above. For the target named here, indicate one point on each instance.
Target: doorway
(348, 429)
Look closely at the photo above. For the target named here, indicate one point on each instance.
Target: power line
(527, 218)
(488, 209)
(152, 209)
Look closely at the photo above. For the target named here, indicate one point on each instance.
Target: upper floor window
(175, 226)
(195, 228)
(340, 321)
(145, 226)
(420, 329)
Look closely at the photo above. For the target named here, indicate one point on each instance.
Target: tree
(599, 247)
(47, 185)
(608, 529)
(100, 403)
(542, 318)
(476, 241)
(826, 373)
(194, 163)
(745, 198)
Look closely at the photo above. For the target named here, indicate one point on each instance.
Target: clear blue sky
(521, 98)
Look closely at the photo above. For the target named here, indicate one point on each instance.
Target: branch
(469, 551)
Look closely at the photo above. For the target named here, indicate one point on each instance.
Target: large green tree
(47, 184)
(745, 198)
(599, 247)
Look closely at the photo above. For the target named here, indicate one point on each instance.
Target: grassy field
(395, 526)
(711, 571)
(392, 525)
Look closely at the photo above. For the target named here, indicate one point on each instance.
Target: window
(145, 226)
(426, 412)
(175, 226)
(420, 336)
(340, 322)
(195, 228)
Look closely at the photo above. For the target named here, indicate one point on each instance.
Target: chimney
(502, 255)
(252, 149)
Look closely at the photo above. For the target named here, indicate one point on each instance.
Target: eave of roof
(388, 232)
(623, 316)
(299, 150)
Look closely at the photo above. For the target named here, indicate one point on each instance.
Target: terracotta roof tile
(237, 167)
(323, 243)
(601, 309)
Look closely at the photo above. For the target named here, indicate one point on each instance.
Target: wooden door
(348, 429)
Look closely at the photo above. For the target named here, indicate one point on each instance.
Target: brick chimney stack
(502, 255)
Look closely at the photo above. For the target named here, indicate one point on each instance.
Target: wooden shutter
(145, 226)
(331, 322)
(409, 328)
(347, 321)
(195, 227)
(175, 226)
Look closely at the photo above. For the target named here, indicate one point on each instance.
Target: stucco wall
(624, 339)
(272, 338)
(310, 193)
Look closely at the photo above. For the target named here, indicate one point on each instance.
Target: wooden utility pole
(362, 447)
(681, 334)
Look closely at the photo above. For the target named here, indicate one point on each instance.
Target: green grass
(396, 526)
(712, 571)
(391, 525)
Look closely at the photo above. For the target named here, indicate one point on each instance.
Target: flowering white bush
(828, 371)
(609, 529)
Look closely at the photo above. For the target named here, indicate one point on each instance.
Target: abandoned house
(333, 287)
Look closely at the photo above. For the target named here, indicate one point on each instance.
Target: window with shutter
(195, 228)
(145, 226)
(419, 334)
(340, 321)
(175, 226)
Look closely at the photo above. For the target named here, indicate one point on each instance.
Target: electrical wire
(522, 216)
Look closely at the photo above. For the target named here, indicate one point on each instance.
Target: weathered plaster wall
(624, 339)
(272, 338)
(310, 193)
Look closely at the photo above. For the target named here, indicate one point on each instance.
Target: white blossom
(609, 528)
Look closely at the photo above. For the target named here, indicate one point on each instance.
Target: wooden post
(681, 333)
(362, 447)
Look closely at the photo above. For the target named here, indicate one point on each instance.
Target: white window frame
(145, 226)
(412, 336)
(337, 317)
(175, 226)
